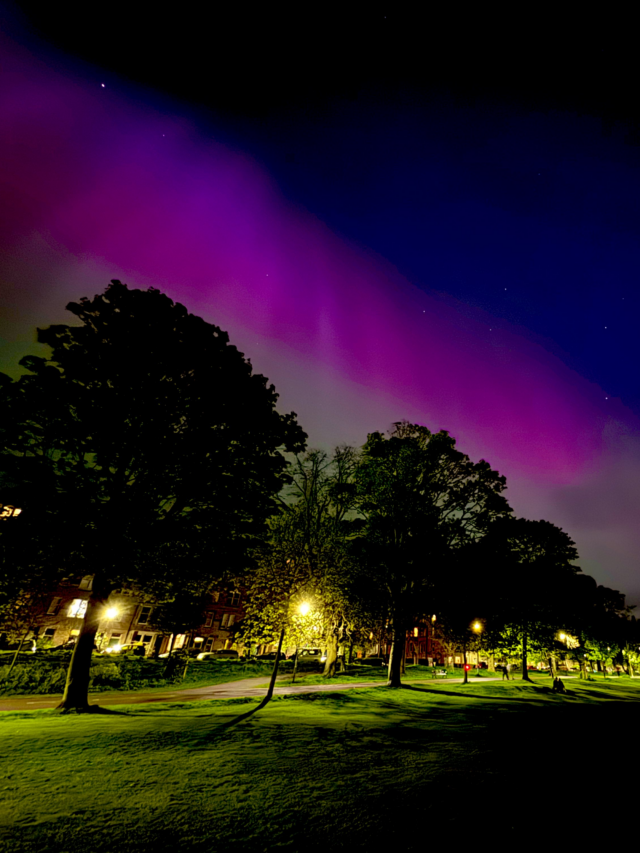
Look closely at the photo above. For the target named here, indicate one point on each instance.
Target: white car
(221, 654)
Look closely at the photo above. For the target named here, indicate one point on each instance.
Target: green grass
(360, 770)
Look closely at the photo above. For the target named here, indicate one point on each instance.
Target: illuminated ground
(358, 770)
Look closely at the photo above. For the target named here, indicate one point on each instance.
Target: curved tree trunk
(397, 653)
(18, 650)
(274, 674)
(76, 690)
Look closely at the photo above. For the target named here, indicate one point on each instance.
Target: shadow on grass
(482, 696)
(90, 709)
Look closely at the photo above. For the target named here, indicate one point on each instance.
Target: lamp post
(303, 610)
(477, 628)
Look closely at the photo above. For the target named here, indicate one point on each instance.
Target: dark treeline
(144, 451)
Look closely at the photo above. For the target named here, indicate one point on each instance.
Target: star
(102, 84)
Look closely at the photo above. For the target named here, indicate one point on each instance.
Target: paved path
(231, 690)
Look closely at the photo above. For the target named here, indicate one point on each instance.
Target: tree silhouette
(422, 500)
(160, 448)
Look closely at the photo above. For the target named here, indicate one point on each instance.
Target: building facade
(56, 619)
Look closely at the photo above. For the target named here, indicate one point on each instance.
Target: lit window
(86, 582)
(7, 511)
(78, 608)
(225, 620)
(232, 619)
(415, 632)
(208, 620)
(234, 599)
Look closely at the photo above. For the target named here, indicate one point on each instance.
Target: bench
(439, 672)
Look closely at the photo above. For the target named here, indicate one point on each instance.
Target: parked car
(310, 658)
(269, 656)
(127, 649)
(221, 654)
(64, 647)
(371, 661)
(310, 653)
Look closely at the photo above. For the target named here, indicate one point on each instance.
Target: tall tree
(309, 556)
(422, 500)
(157, 441)
(534, 579)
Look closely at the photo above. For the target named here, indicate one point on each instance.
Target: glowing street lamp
(477, 628)
(304, 608)
(110, 614)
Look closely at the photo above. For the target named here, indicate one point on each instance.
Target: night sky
(393, 217)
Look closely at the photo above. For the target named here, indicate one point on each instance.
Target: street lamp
(110, 614)
(477, 628)
(304, 608)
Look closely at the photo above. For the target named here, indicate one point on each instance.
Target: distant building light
(9, 511)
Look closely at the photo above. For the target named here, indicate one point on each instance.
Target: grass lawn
(489, 764)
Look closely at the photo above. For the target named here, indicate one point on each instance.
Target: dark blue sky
(532, 217)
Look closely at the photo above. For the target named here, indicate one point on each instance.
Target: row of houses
(56, 619)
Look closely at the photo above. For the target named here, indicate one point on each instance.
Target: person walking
(505, 673)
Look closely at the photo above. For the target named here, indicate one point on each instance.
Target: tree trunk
(525, 669)
(295, 666)
(465, 680)
(395, 659)
(332, 656)
(350, 653)
(492, 662)
(583, 669)
(18, 650)
(552, 667)
(274, 673)
(76, 690)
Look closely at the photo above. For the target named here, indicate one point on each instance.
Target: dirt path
(232, 690)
